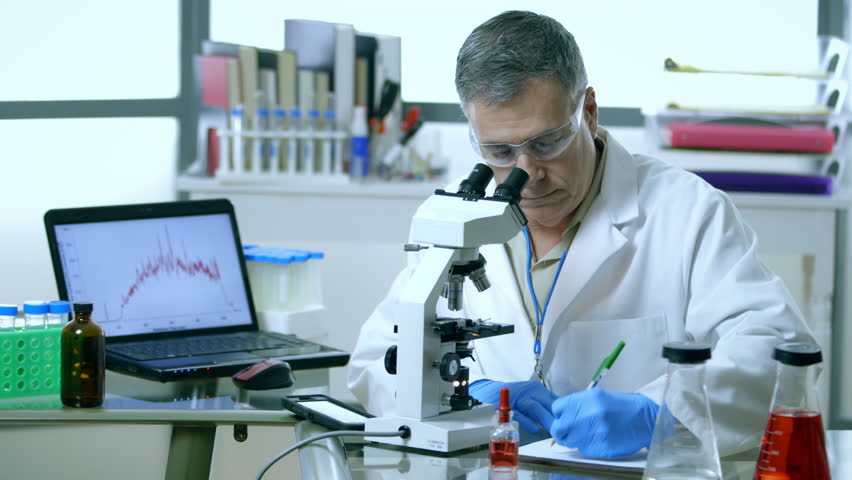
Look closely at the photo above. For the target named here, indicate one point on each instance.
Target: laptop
(170, 289)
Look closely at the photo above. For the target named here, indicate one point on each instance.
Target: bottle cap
(83, 307)
(35, 307)
(798, 354)
(504, 409)
(59, 306)
(8, 310)
(686, 352)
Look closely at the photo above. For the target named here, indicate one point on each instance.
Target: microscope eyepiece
(476, 182)
(511, 188)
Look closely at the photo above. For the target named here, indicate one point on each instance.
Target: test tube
(34, 314)
(327, 142)
(259, 158)
(293, 142)
(7, 316)
(237, 133)
(57, 313)
(276, 155)
(309, 143)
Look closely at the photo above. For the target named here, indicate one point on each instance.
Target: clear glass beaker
(684, 442)
(793, 446)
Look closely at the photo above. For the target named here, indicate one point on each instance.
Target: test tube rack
(275, 155)
(29, 362)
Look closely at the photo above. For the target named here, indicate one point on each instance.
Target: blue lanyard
(539, 315)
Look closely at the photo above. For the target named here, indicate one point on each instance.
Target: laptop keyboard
(204, 345)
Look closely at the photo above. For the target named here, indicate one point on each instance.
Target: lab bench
(333, 459)
(186, 430)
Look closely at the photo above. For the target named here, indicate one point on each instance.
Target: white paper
(543, 450)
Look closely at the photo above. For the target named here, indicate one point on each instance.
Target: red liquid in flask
(793, 447)
(504, 454)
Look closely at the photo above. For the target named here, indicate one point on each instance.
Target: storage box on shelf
(286, 288)
(806, 140)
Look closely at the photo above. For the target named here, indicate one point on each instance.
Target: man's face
(557, 185)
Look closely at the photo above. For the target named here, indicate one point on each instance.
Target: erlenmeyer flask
(684, 442)
(793, 446)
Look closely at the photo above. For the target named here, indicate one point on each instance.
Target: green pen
(605, 365)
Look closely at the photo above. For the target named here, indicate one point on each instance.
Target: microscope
(432, 397)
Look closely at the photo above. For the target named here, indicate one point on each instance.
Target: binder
(215, 85)
(287, 79)
(344, 75)
(748, 137)
(365, 71)
(768, 182)
(249, 83)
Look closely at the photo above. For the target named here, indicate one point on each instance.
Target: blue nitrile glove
(529, 400)
(604, 423)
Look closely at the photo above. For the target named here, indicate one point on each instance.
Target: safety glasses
(543, 147)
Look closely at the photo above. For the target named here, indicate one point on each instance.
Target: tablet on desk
(326, 411)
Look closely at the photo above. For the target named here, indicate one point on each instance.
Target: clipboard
(542, 452)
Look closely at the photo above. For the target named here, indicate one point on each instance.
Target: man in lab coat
(634, 250)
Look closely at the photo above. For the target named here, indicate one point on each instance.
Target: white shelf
(303, 185)
(837, 201)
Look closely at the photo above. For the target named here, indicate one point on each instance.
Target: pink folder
(748, 137)
(214, 80)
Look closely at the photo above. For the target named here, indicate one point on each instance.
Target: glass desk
(332, 459)
(184, 430)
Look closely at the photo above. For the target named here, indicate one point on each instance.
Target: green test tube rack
(29, 362)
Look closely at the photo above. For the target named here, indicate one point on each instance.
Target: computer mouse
(265, 375)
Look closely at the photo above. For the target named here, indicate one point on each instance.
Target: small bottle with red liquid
(793, 446)
(504, 438)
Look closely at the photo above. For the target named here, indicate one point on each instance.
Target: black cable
(402, 432)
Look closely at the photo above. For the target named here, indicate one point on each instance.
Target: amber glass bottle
(83, 363)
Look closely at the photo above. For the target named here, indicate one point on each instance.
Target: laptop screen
(155, 275)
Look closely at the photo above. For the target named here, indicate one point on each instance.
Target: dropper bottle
(504, 438)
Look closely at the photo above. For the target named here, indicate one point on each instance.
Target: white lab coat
(660, 256)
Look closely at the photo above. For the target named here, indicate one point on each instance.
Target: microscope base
(446, 432)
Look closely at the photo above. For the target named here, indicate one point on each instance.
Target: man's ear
(591, 110)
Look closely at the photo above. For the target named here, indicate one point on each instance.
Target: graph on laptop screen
(156, 275)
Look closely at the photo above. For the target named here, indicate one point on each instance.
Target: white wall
(81, 50)
(49, 164)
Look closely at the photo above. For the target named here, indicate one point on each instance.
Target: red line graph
(170, 264)
(167, 262)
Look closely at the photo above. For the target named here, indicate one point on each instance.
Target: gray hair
(502, 55)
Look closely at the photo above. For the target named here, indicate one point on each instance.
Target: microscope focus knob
(450, 367)
(390, 360)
